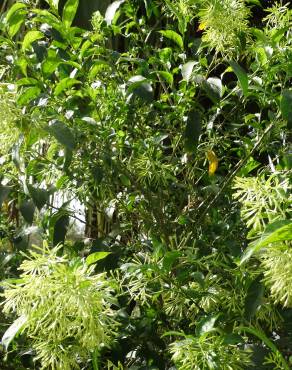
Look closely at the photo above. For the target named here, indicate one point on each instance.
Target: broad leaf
(187, 70)
(31, 37)
(241, 75)
(13, 330)
(286, 106)
(60, 229)
(192, 131)
(206, 324)
(276, 232)
(62, 134)
(39, 196)
(15, 22)
(69, 12)
(254, 298)
(95, 257)
(65, 84)
(214, 89)
(139, 86)
(27, 209)
(28, 95)
(13, 10)
(173, 36)
(111, 11)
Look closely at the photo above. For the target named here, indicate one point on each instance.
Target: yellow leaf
(213, 162)
(202, 26)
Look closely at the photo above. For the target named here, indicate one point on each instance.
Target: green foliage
(163, 132)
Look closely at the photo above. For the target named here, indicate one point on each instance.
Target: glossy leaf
(187, 70)
(173, 36)
(31, 37)
(276, 232)
(95, 257)
(13, 330)
(65, 84)
(111, 11)
(28, 95)
(241, 75)
(69, 12)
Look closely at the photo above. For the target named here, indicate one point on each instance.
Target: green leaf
(254, 298)
(62, 134)
(4, 192)
(173, 36)
(60, 229)
(28, 95)
(69, 12)
(206, 325)
(139, 86)
(95, 257)
(187, 70)
(192, 131)
(51, 63)
(15, 22)
(169, 259)
(241, 75)
(27, 209)
(13, 10)
(167, 77)
(276, 232)
(39, 196)
(31, 37)
(286, 106)
(64, 84)
(13, 330)
(111, 11)
(98, 66)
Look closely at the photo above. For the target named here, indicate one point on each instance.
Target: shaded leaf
(192, 131)
(286, 106)
(27, 209)
(62, 134)
(253, 298)
(39, 196)
(139, 86)
(241, 75)
(4, 192)
(60, 229)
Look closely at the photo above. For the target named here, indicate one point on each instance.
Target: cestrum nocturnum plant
(65, 308)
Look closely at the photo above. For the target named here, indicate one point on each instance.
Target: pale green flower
(67, 306)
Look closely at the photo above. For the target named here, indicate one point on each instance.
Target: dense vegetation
(145, 185)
